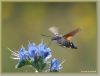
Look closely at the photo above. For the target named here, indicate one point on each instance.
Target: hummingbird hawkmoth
(63, 40)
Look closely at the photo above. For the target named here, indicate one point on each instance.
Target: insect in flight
(63, 40)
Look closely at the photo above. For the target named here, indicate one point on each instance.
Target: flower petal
(32, 49)
(55, 65)
(22, 54)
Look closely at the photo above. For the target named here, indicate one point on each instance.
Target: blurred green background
(25, 21)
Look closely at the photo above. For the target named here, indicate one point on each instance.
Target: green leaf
(38, 63)
(22, 63)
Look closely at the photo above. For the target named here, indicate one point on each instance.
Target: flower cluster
(38, 56)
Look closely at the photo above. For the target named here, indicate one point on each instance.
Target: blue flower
(44, 51)
(37, 56)
(55, 65)
(22, 57)
(23, 54)
(32, 50)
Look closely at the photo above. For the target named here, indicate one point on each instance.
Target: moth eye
(71, 44)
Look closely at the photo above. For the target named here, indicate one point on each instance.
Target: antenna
(45, 35)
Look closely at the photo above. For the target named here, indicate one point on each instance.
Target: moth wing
(54, 30)
(70, 35)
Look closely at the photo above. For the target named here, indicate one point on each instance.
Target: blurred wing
(70, 35)
(54, 30)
